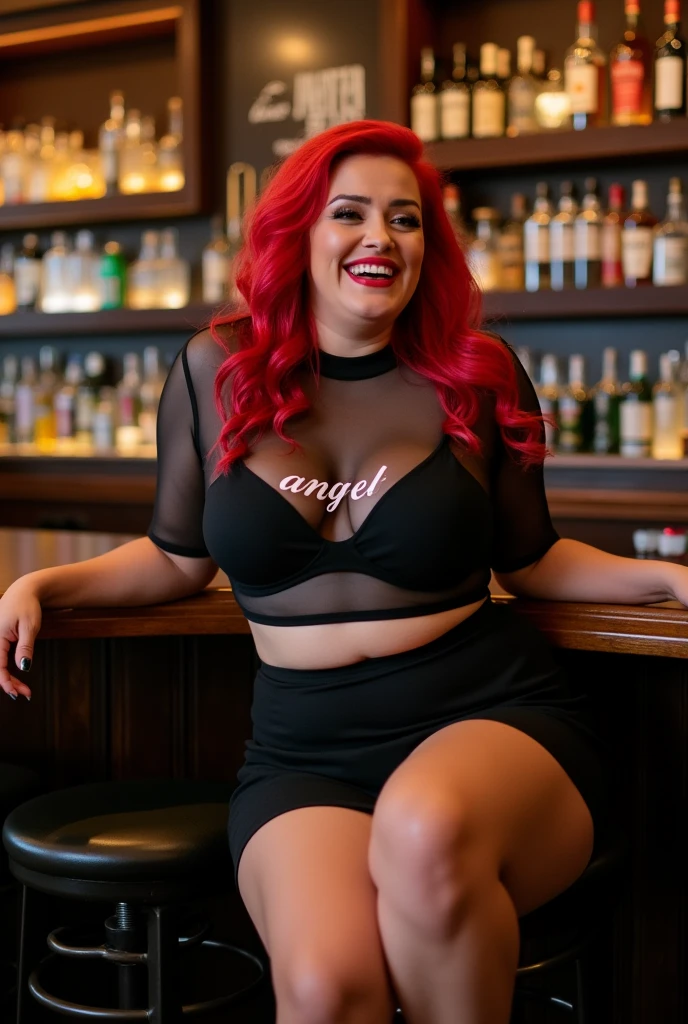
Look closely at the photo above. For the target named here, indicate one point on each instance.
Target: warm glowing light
(132, 183)
(171, 181)
(296, 49)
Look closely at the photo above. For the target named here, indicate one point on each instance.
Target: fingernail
(12, 694)
(25, 664)
(28, 698)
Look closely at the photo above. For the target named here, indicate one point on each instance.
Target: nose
(377, 235)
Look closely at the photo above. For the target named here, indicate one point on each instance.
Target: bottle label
(488, 113)
(510, 249)
(627, 86)
(536, 243)
(587, 240)
(561, 242)
(424, 116)
(669, 75)
(27, 281)
(670, 261)
(582, 85)
(636, 427)
(636, 253)
(454, 114)
(215, 273)
(485, 268)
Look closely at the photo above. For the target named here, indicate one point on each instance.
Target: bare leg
(478, 826)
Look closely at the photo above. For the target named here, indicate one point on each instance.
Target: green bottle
(575, 411)
(112, 276)
(606, 401)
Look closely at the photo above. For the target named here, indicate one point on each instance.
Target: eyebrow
(367, 200)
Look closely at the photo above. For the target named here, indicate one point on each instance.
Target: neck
(339, 344)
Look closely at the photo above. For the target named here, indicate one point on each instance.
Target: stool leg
(164, 998)
(582, 1016)
(31, 948)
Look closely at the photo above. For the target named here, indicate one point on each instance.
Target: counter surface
(655, 629)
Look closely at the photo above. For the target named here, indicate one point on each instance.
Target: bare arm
(572, 571)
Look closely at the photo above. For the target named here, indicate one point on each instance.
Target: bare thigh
(305, 882)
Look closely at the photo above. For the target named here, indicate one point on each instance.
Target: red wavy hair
(437, 334)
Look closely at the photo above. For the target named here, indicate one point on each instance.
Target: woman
(357, 456)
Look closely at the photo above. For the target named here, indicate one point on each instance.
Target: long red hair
(437, 334)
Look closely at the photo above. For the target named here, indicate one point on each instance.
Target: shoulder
(209, 347)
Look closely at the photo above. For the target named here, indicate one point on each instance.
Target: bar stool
(148, 848)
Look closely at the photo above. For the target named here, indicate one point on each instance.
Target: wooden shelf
(593, 302)
(595, 144)
(106, 321)
(147, 206)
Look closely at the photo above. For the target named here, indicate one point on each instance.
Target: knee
(311, 990)
(429, 858)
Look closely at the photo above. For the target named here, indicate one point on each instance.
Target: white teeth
(369, 268)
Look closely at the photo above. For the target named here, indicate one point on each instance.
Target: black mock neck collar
(357, 367)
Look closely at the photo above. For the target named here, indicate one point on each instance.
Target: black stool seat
(114, 833)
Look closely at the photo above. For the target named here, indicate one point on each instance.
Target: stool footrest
(102, 952)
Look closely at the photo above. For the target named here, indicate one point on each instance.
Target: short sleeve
(523, 530)
(177, 523)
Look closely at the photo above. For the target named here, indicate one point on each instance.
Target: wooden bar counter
(166, 690)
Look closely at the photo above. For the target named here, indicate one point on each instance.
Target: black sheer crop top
(378, 515)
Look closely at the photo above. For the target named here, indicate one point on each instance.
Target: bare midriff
(343, 643)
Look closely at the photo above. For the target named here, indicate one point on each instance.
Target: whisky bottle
(424, 102)
(142, 276)
(588, 239)
(82, 274)
(488, 96)
(636, 409)
(536, 242)
(637, 239)
(670, 66)
(455, 99)
(27, 273)
(666, 413)
(215, 262)
(561, 240)
(575, 411)
(670, 255)
(110, 140)
(174, 273)
(612, 224)
(548, 392)
(510, 247)
(606, 404)
(55, 295)
(585, 72)
(630, 70)
(483, 258)
(522, 91)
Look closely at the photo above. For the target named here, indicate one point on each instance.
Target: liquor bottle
(539, 64)
(451, 200)
(87, 392)
(522, 91)
(424, 102)
(170, 176)
(548, 392)
(683, 384)
(670, 254)
(606, 404)
(636, 409)
(536, 241)
(55, 295)
(482, 254)
(215, 261)
(142, 275)
(110, 141)
(504, 71)
(82, 274)
(670, 66)
(148, 157)
(132, 173)
(27, 273)
(553, 103)
(8, 383)
(584, 72)
(561, 240)
(630, 71)
(510, 247)
(13, 168)
(612, 269)
(112, 276)
(488, 96)
(8, 291)
(24, 395)
(174, 273)
(575, 411)
(104, 417)
(128, 390)
(43, 399)
(149, 394)
(666, 413)
(637, 239)
(455, 99)
(588, 239)
(65, 403)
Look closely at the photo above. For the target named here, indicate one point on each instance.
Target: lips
(382, 281)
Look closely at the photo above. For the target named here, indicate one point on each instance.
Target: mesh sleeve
(522, 523)
(177, 523)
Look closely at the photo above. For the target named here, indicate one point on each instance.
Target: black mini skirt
(332, 737)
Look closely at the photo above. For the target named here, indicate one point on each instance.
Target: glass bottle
(104, 417)
(132, 171)
(451, 200)
(55, 295)
(82, 274)
(670, 253)
(630, 72)
(215, 262)
(561, 240)
(575, 411)
(504, 72)
(588, 239)
(539, 64)
(667, 442)
(112, 276)
(65, 403)
(128, 391)
(148, 156)
(27, 273)
(143, 291)
(37, 181)
(170, 170)
(174, 273)
(536, 241)
(44, 396)
(87, 394)
(637, 239)
(585, 72)
(553, 103)
(424, 102)
(13, 168)
(149, 395)
(683, 383)
(510, 247)
(110, 141)
(59, 171)
(606, 404)
(670, 66)
(548, 392)
(612, 223)
(455, 99)
(522, 91)
(483, 258)
(8, 291)
(488, 97)
(636, 409)
(24, 397)
(8, 384)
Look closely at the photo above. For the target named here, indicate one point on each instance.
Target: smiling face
(366, 248)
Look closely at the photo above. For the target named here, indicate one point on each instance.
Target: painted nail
(25, 664)
(28, 697)
(12, 694)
